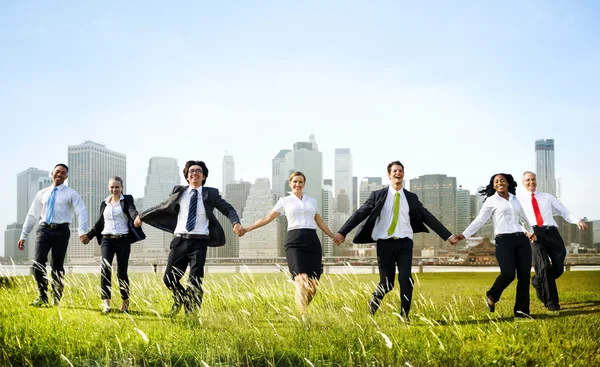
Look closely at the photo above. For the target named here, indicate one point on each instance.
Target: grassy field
(251, 320)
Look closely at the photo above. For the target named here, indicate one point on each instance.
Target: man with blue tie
(188, 214)
(392, 216)
(548, 250)
(54, 207)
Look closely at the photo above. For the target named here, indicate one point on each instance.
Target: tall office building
(354, 193)
(280, 173)
(327, 181)
(261, 243)
(307, 159)
(29, 182)
(91, 166)
(343, 180)
(237, 193)
(327, 216)
(544, 165)
(487, 230)
(463, 209)
(368, 185)
(438, 195)
(228, 173)
(11, 237)
(163, 174)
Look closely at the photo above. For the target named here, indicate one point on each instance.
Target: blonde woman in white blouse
(302, 248)
(513, 249)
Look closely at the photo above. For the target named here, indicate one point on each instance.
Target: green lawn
(251, 320)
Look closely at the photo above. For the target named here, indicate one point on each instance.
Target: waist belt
(189, 236)
(516, 234)
(114, 236)
(53, 225)
(543, 227)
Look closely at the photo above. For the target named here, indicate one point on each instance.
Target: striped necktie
(191, 219)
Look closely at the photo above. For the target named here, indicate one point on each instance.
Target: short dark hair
(202, 165)
(62, 165)
(397, 163)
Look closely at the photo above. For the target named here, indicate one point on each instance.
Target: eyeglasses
(192, 171)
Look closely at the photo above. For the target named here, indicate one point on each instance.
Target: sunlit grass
(251, 320)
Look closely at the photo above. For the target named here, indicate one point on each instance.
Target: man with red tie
(549, 249)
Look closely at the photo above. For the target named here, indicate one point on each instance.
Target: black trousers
(393, 253)
(513, 252)
(548, 261)
(111, 247)
(184, 252)
(57, 240)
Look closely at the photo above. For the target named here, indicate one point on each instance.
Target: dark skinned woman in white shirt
(302, 248)
(513, 249)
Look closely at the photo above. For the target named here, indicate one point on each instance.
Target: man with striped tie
(392, 216)
(549, 249)
(188, 214)
(54, 207)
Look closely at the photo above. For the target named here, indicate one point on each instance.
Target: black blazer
(164, 215)
(370, 210)
(128, 207)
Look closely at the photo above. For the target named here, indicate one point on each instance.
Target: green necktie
(396, 210)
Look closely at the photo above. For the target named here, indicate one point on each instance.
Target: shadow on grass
(7, 282)
(573, 305)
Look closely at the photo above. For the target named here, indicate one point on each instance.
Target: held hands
(532, 237)
(582, 225)
(338, 239)
(137, 222)
(84, 239)
(453, 240)
(460, 236)
(21, 245)
(239, 230)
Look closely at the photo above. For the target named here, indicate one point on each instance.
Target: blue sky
(458, 88)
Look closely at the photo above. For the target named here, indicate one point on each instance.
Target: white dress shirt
(505, 214)
(115, 221)
(66, 203)
(184, 208)
(547, 204)
(300, 213)
(383, 222)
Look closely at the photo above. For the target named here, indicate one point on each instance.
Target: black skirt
(303, 253)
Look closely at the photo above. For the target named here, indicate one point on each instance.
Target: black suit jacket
(128, 207)
(164, 215)
(371, 209)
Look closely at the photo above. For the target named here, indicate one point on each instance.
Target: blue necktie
(50, 209)
(191, 219)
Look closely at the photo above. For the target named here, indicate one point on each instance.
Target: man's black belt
(516, 234)
(544, 227)
(190, 236)
(114, 236)
(53, 225)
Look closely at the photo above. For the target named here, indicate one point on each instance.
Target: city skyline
(463, 90)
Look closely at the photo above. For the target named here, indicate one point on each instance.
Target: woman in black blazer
(115, 232)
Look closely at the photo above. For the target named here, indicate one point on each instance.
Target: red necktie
(536, 210)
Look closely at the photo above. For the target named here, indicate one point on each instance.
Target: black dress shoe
(373, 307)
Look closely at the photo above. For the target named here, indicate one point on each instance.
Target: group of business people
(390, 217)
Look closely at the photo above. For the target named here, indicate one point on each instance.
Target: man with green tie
(392, 216)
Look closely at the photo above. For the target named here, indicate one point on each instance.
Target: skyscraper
(29, 182)
(544, 165)
(367, 185)
(280, 173)
(91, 165)
(327, 216)
(343, 180)
(163, 174)
(463, 209)
(261, 243)
(228, 172)
(438, 195)
(237, 193)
